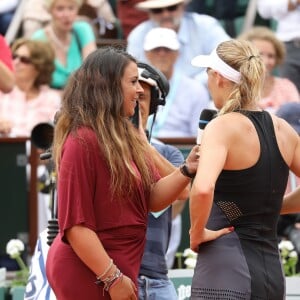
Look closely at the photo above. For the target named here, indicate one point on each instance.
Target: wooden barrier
(18, 185)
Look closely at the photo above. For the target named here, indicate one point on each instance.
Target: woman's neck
(28, 89)
(252, 107)
(268, 85)
(60, 39)
(62, 35)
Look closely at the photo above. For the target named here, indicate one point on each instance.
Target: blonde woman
(72, 40)
(276, 90)
(245, 158)
(36, 16)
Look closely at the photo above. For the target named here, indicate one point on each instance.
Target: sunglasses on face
(23, 59)
(168, 8)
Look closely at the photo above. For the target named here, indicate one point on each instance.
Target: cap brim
(155, 46)
(202, 61)
(150, 4)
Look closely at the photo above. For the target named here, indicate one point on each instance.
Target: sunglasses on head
(168, 8)
(22, 59)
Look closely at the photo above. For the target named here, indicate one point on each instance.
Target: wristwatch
(185, 171)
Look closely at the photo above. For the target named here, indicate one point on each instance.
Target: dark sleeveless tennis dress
(245, 264)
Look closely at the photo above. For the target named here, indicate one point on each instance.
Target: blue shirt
(179, 117)
(197, 34)
(159, 228)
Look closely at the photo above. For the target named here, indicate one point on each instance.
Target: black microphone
(205, 117)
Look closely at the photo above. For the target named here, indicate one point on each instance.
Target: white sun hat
(214, 62)
(150, 4)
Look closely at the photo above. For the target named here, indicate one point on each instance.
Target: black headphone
(159, 92)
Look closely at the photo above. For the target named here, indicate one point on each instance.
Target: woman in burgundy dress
(107, 182)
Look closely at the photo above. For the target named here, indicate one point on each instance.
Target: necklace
(63, 46)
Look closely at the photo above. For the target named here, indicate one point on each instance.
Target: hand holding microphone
(191, 163)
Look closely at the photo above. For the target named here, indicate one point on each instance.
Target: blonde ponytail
(243, 57)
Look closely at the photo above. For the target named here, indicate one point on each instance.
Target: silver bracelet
(108, 281)
(107, 269)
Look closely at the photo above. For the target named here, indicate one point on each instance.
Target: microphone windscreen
(206, 116)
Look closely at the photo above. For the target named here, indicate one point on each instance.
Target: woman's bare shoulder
(229, 123)
(287, 139)
(282, 126)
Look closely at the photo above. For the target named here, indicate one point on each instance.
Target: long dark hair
(93, 97)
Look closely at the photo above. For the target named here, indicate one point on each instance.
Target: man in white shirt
(187, 97)
(197, 34)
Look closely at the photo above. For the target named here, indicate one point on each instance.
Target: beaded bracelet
(106, 270)
(116, 281)
(108, 281)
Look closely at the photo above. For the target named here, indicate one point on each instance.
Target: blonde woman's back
(247, 195)
(243, 143)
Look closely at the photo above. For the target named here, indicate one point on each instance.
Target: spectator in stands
(196, 33)
(129, 15)
(227, 12)
(187, 97)
(72, 40)
(287, 15)
(276, 90)
(106, 19)
(35, 18)
(39, 17)
(7, 10)
(6, 67)
(103, 9)
(31, 101)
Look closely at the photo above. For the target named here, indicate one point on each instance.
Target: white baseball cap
(161, 37)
